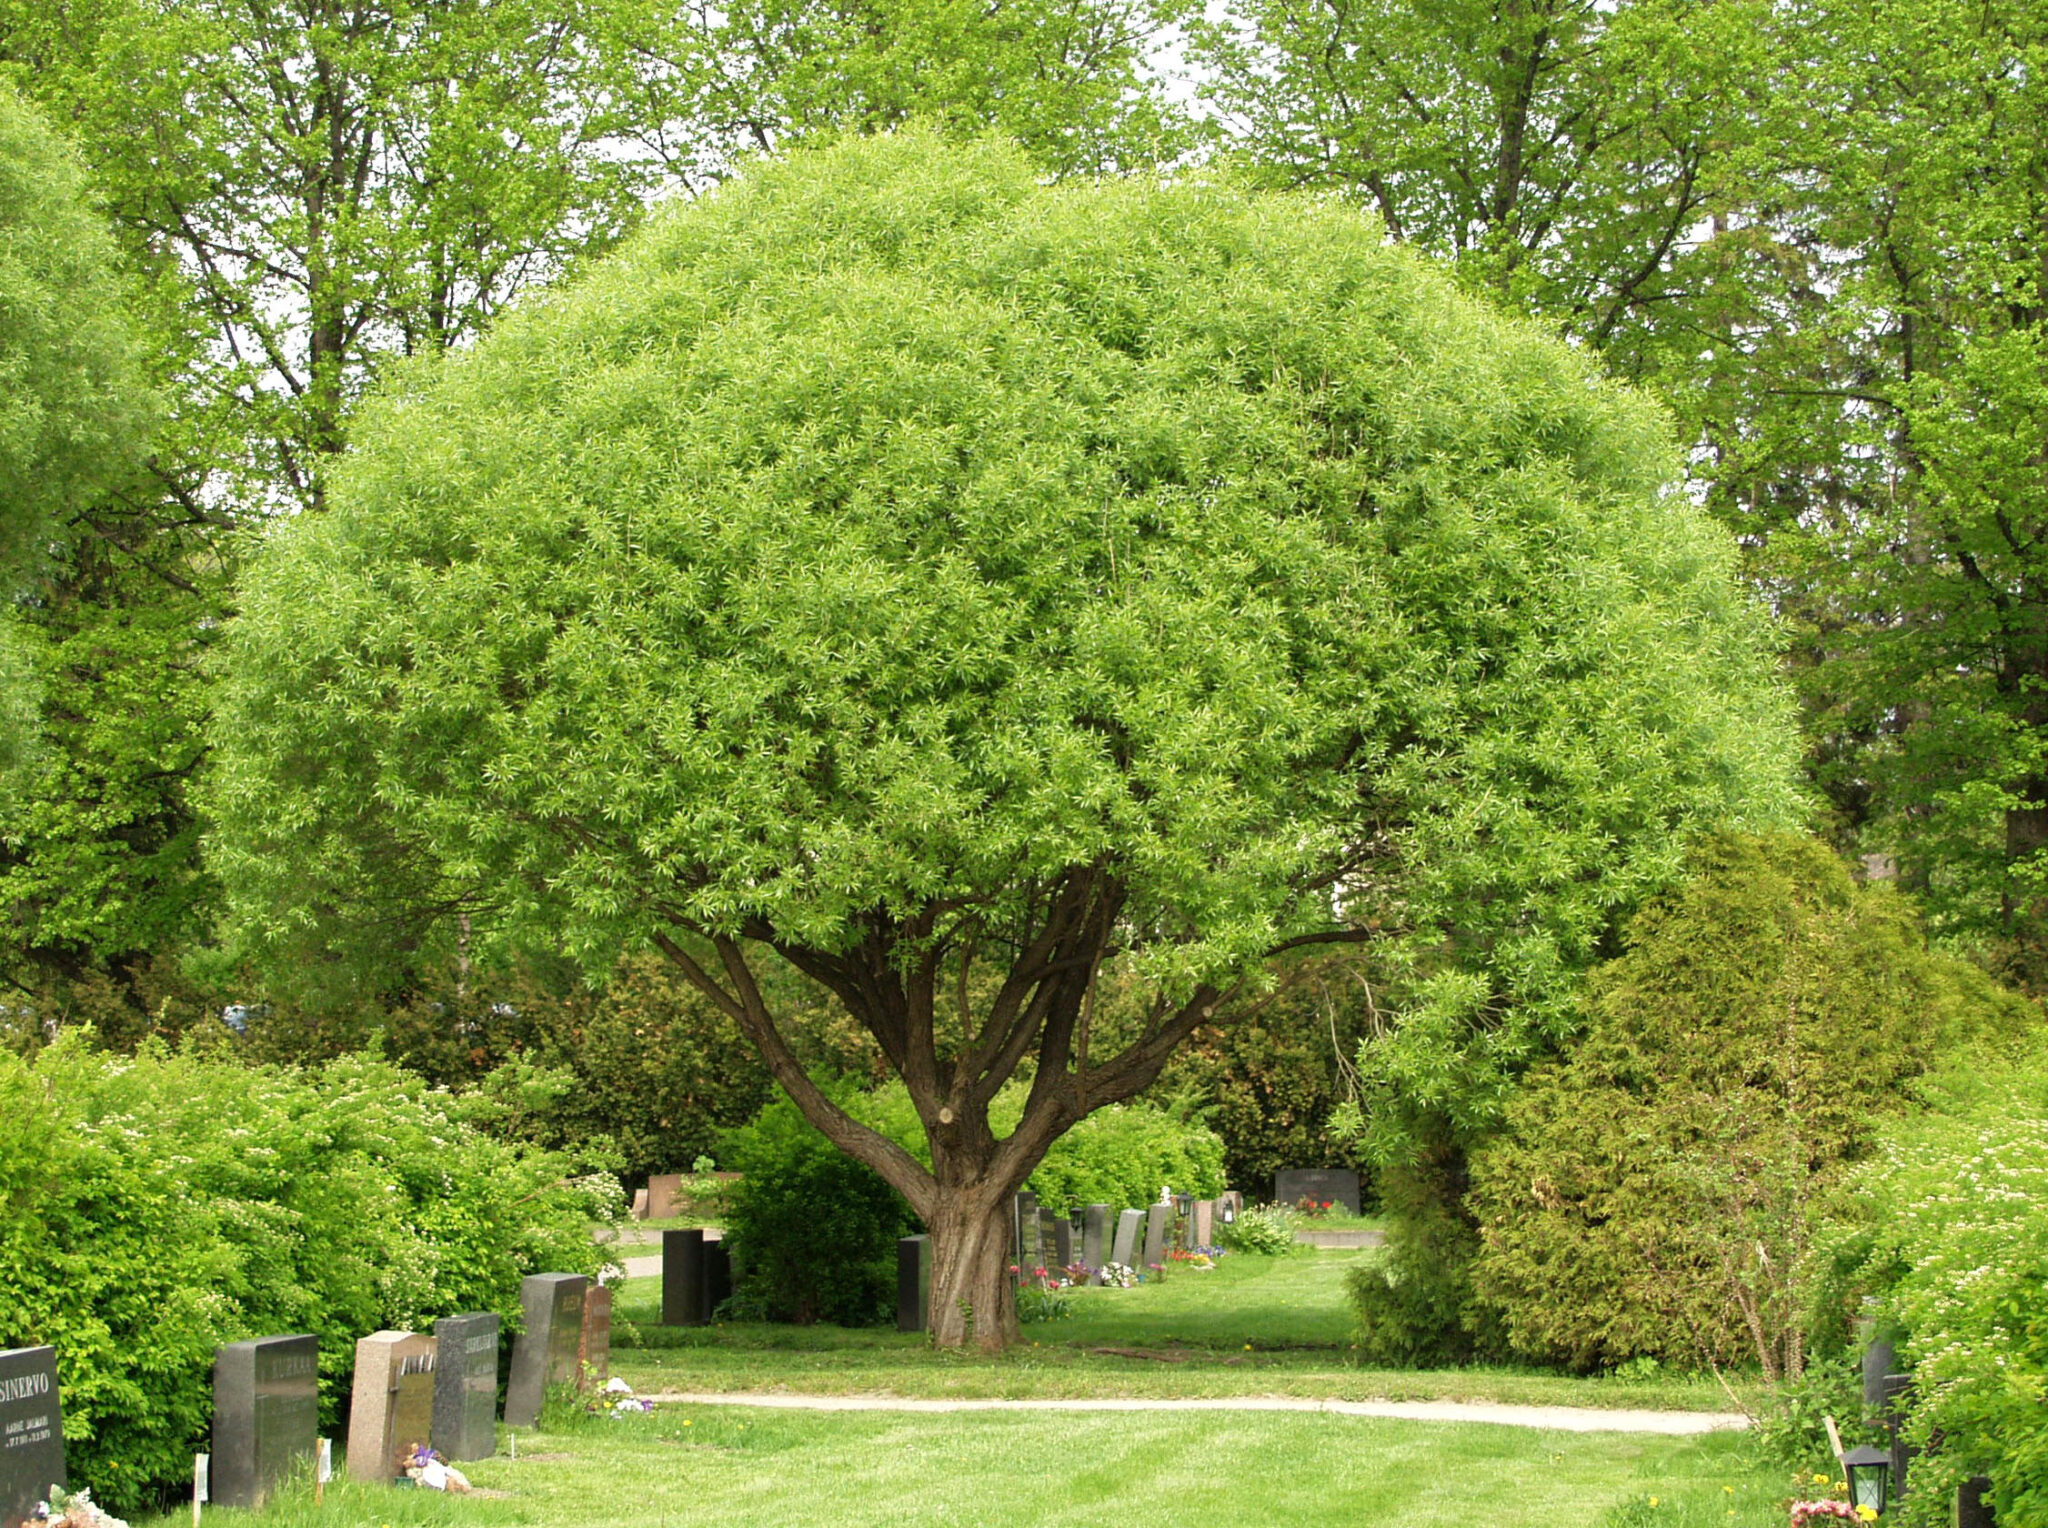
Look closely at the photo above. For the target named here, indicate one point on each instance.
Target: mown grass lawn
(730, 1466)
(1255, 1326)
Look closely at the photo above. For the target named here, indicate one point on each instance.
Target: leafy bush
(1123, 1155)
(1414, 1304)
(813, 1233)
(1263, 1228)
(1657, 1192)
(1957, 1243)
(154, 1207)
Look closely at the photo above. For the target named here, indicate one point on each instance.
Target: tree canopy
(956, 584)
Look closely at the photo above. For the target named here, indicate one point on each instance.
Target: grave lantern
(1869, 1471)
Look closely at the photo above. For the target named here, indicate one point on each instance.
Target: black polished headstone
(466, 1386)
(1062, 1243)
(717, 1277)
(1332, 1185)
(682, 1278)
(31, 1432)
(544, 1353)
(1973, 1503)
(266, 1415)
(913, 1283)
(1025, 1247)
(1878, 1361)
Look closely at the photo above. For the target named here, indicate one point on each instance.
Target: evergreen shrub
(156, 1206)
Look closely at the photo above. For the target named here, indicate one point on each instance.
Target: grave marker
(913, 1283)
(1125, 1248)
(266, 1415)
(663, 1189)
(1062, 1242)
(466, 1386)
(31, 1432)
(1026, 1245)
(544, 1353)
(391, 1408)
(1205, 1222)
(1094, 1228)
(594, 1343)
(682, 1278)
(1158, 1224)
(1337, 1185)
(639, 1204)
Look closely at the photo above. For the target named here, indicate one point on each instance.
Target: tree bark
(973, 1297)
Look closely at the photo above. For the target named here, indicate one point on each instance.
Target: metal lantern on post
(1870, 1477)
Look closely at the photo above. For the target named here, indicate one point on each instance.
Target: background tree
(951, 586)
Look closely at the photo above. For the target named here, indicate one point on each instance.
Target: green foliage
(1952, 1231)
(1658, 1191)
(154, 1207)
(1267, 1229)
(1270, 1082)
(1414, 1304)
(1121, 1156)
(813, 1233)
(1251, 547)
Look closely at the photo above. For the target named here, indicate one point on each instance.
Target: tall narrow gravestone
(31, 1432)
(913, 1283)
(1094, 1231)
(1048, 1240)
(682, 1278)
(1158, 1223)
(266, 1415)
(1124, 1249)
(1062, 1242)
(1026, 1247)
(466, 1386)
(391, 1409)
(1205, 1222)
(544, 1353)
(594, 1347)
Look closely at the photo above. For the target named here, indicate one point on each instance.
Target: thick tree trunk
(974, 1298)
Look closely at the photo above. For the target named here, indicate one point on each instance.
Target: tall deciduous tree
(954, 586)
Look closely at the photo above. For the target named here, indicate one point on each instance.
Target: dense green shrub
(154, 1207)
(1270, 1081)
(813, 1233)
(1414, 1303)
(1956, 1241)
(1658, 1191)
(1263, 1228)
(1123, 1155)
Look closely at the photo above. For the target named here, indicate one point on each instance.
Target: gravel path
(1557, 1418)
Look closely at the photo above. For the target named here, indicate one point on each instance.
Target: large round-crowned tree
(959, 587)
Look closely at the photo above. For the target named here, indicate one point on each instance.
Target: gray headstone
(1336, 1185)
(466, 1386)
(1878, 1361)
(913, 1283)
(1158, 1223)
(1063, 1242)
(1094, 1233)
(639, 1204)
(1125, 1248)
(682, 1278)
(266, 1415)
(544, 1353)
(31, 1432)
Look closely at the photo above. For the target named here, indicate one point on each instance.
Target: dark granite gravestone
(682, 1278)
(1878, 1361)
(1124, 1249)
(31, 1432)
(717, 1277)
(266, 1415)
(391, 1405)
(913, 1283)
(544, 1353)
(1334, 1185)
(1094, 1233)
(466, 1386)
(1062, 1242)
(1158, 1225)
(1025, 1248)
(594, 1348)
(1973, 1503)
(1048, 1240)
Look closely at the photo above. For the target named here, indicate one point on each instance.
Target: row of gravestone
(438, 1390)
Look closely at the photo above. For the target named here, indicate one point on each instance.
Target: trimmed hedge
(153, 1207)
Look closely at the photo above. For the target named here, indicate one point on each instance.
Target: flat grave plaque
(266, 1415)
(1333, 1185)
(31, 1432)
(466, 1385)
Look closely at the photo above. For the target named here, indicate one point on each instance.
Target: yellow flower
(1841, 1485)
(1866, 1514)
(1727, 1490)
(1653, 1501)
